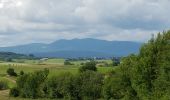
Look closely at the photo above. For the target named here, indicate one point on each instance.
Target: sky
(44, 21)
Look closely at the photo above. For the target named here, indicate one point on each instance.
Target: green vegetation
(85, 86)
(68, 63)
(3, 85)
(145, 76)
(11, 72)
(9, 56)
(88, 66)
(25, 66)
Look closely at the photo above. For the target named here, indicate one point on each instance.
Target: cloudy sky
(29, 21)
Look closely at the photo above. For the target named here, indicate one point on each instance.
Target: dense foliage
(88, 66)
(68, 63)
(3, 85)
(145, 76)
(11, 72)
(9, 56)
(84, 86)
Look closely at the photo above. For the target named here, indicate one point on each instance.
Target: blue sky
(29, 21)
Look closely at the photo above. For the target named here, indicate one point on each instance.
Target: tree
(31, 85)
(88, 66)
(59, 86)
(145, 76)
(91, 85)
(67, 63)
(115, 62)
(11, 72)
(84, 86)
(21, 72)
(14, 92)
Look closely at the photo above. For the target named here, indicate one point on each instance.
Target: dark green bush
(59, 86)
(11, 72)
(88, 66)
(68, 63)
(91, 85)
(14, 92)
(21, 72)
(31, 85)
(86, 85)
(3, 85)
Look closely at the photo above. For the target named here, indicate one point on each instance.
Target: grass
(55, 66)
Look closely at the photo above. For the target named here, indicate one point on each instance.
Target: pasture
(55, 66)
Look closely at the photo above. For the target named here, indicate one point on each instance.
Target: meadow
(55, 66)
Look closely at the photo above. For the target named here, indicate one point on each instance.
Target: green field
(55, 66)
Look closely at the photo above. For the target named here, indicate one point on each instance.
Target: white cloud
(25, 21)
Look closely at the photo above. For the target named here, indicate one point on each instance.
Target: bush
(11, 72)
(31, 85)
(21, 72)
(3, 85)
(14, 92)
(59, 86)
(88, 66)
(112, 88)
(84, 86)
(68, 63)
(91, 85)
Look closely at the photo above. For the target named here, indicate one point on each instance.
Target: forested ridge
(145, 76)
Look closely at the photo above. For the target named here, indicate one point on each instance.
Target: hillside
(77, 48)
(10, 55)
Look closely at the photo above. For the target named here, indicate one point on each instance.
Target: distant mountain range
(77, 48)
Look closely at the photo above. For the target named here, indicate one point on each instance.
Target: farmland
(55, 66)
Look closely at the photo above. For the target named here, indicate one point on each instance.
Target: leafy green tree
(21, 72)
(59, 86)
(11, 72)
(84, 86)
(31, 85)
(145, 76)
(91, 85)
(88, 66)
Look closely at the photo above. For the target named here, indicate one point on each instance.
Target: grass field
(55, 66)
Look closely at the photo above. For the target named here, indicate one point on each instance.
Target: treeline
(9, 56)
(145, 76)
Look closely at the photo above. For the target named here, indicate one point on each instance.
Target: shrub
(14, 92)
(11, 72)
(59, 86)
(21, 72)
(113, 89)
(88, 66)
(68, 63)
(84, 86)
(91, 85)
(30, 85)
(3, 85)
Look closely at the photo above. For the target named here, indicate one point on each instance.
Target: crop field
(55, 66)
